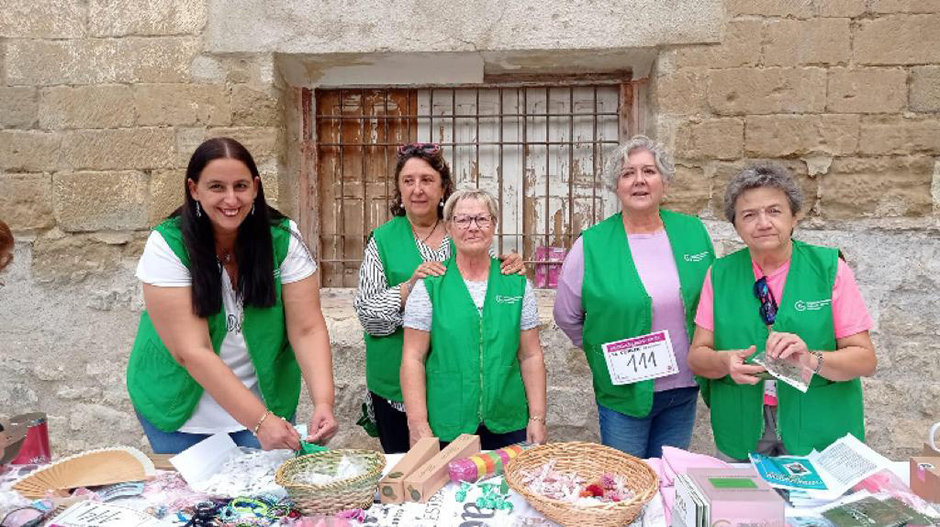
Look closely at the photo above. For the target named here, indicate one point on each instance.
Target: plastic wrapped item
(786, 370)
(887, 483)
(247, 472)
(347, 467)
(482, 465)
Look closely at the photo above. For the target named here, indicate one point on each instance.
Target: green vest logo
(812, 305)
(505, 299)
(698, 257)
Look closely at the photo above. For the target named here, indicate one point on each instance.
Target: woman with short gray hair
(638, 274)
(486, 374)
(820, 326)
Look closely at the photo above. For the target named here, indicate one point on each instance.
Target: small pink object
(35, 449)
(546, 274)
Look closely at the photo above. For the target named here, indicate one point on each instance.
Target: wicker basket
(330, 498)
(588, 460)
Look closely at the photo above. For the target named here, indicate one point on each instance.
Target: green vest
(164, 392)
(815, 419)
(616, 305)
(399, 254)
(473, 373)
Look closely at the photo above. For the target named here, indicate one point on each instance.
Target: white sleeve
(530, 311)
(418, 309)
(299, 263)
(160, 266)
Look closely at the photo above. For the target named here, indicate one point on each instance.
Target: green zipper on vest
(480, 405)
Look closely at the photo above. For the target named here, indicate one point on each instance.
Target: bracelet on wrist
(261, 421)
(537, 418)
(819, 361)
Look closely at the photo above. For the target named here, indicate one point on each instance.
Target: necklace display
(434, 228)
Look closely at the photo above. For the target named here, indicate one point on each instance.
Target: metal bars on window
(539, 149)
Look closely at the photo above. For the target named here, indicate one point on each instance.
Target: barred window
(540, 149)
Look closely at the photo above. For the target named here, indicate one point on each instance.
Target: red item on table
(35, 449)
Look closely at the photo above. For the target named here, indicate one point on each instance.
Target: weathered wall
(102, 102)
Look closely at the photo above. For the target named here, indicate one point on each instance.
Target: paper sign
(640, 358)
(90, 514)
(205, 458)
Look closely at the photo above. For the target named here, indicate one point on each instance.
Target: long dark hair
(437, 162)
(253, 247)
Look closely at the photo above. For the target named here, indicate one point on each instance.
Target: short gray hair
(664, 163)
(763, 175)
(473, 193)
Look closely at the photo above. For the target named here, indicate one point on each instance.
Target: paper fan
(105, 466)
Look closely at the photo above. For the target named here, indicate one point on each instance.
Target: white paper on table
(846, 462)
(92, 514)
(205, 458)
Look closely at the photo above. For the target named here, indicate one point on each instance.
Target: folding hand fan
(96, 467)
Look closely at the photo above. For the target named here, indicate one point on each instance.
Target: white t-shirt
(419, 311)
(159, 266)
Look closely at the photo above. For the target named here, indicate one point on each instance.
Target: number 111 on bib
(640, 358)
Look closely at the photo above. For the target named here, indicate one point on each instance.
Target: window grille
(539, 149)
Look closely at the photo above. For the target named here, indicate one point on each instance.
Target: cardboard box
(726, 496)
(424, 482)
(392, 486)
(925, 477)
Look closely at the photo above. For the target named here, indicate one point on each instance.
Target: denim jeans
(175, 442)
(669, 423)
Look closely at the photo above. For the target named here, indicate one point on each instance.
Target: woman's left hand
(782, 345)
(322, 425)
(511, 264)
(536, 433)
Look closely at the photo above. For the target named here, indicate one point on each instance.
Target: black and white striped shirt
(377, 304)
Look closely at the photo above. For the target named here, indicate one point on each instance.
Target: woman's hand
(739, 371)
(277, 433)
(418, 431)
(782, 345)
(791, 348)
(427, 269)
(511, 264)
(322, 425)
(536, 433)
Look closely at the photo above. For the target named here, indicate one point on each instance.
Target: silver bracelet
(819, 361)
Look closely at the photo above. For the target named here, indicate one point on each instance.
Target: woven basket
(588, 460)
(330, 498)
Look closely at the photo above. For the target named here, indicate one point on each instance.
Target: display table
(443, 509)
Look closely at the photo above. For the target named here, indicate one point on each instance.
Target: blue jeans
(669, 423)
(175, 442)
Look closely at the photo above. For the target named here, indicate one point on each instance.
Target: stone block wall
(103, 101)
(845, 93)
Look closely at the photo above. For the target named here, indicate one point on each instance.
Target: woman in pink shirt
(793, 301)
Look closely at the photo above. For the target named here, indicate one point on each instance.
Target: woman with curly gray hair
(636, 276)
(794, 302)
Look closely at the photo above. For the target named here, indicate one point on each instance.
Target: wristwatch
(819, 361)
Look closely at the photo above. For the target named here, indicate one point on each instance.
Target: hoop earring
(198, 210)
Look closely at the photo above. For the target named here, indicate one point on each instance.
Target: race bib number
(640, 358)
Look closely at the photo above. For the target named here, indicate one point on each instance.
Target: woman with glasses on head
(407, 248)
(637, 275)
(472, 362)
(794, 301)
(232, 320)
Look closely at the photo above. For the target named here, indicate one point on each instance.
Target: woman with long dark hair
(232, 317)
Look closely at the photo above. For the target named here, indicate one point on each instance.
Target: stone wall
(103, 101)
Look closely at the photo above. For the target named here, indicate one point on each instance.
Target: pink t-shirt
(849, 314)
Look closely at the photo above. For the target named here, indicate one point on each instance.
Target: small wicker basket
(330, 498)
(588, 460)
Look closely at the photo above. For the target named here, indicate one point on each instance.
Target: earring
(198, 210)
(252, 208)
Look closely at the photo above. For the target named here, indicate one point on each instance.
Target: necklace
(225, 257)
(434, 228)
